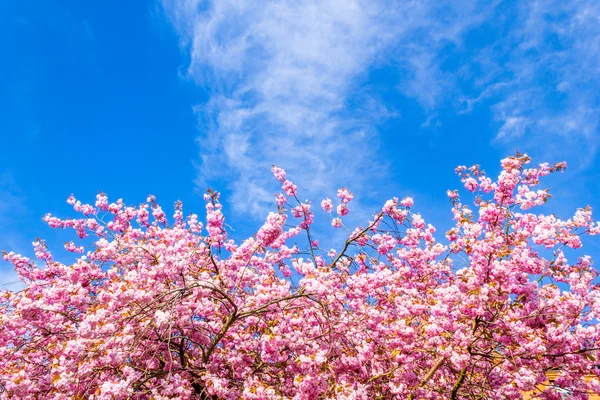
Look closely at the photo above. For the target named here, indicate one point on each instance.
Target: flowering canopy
(158, 309)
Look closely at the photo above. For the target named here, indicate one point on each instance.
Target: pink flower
(289, 188)
(280, 199)
(71, 247)
(41, 251)
(272, 229)
(452, 194)
(342, 210)
(102, 201)
(407, 202)
(53, 222)
(327, 205)
(345, 195)
(279, 173)
(418, 221)
(470, 184)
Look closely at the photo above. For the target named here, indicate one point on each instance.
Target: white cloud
(284, 78)
(280, 75)
(544, 83)
(288, 81)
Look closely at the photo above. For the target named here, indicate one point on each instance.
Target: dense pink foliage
(168, 308)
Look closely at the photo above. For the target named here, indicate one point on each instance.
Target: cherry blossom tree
(159, 308)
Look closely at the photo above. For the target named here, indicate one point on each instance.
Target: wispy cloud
(536, 64)
(285, 78)
(545, 79)
(289, 80)
(281, 76)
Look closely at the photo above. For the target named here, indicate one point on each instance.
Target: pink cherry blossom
(280, 199)
(158, 308)
(470, 184)
(407, 202)
(345, 195)
(327, 205)
(289, 188)
(279, 173)
(342, 210)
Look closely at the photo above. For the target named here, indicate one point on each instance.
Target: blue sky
(384, 97)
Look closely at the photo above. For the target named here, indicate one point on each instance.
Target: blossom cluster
(162, 309)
